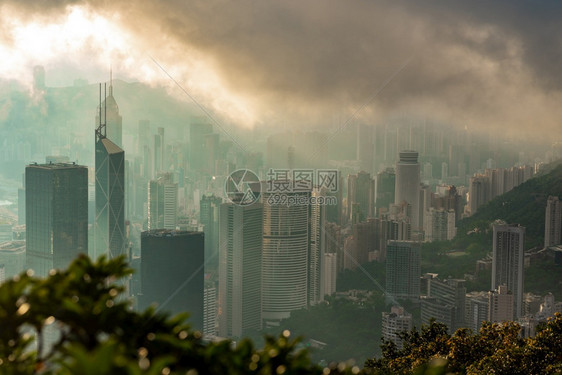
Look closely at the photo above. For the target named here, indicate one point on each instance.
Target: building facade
(285, 257)
(552, 222)
(240, 269)
(508, 262)
(395, 322)
(403, 269)
(172, 275)
(162, 202)
(56, 215)
(408, 184)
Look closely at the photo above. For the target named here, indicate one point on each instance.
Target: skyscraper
(109, 225)
(403, 269)
(552, 222)
(209, 208)
(507, 262)
(172, 272)
(360, 196)
(109, 114)
(385, 186)
(162, 202)
(240, 274)
(56, 215)
(318, 238)
(408, 184)
(285, 257)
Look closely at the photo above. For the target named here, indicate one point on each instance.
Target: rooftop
(56, 166)
(169, 233)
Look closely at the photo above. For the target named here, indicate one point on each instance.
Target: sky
(492, 66)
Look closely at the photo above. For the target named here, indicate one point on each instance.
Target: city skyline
(287, 166)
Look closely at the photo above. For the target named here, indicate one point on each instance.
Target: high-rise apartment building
(162, 202)
(507, 262)
(56, 215)
(552, 222)
(210, 310)
(403, 269)
(500, 305)
(408, 184)
(439, 225)
(240, 269)
(172, 273)
(317, 246)
(395, 322)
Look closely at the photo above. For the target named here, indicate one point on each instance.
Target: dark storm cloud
(486, 64)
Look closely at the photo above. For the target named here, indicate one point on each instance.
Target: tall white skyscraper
(316, 290)
(507, 262)
(162, 202)
(552, 222)
(240, 263)
(408, 184)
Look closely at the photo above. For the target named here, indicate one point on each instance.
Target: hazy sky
(484, 65)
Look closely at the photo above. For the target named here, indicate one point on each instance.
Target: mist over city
(358, 185)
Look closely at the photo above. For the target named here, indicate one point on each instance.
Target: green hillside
(523, 205)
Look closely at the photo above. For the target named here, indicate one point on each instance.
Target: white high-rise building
(408, 184)
(316, 290)
(394, 322)
(240, 269)
(162, 202)
(210, 311)
(507, 262)
(552, 222)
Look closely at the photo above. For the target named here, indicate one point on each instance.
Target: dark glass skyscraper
(172, 273)
(109, 226)
(56, 215)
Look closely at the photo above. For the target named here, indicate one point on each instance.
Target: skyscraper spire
(110, 80)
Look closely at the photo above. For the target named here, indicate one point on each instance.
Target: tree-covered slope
(523, 205)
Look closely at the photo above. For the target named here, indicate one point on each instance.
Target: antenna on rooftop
(101, 129)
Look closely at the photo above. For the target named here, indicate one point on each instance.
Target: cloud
(481, 65)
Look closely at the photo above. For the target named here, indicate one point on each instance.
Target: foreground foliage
(496, 349)
(100, 334)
